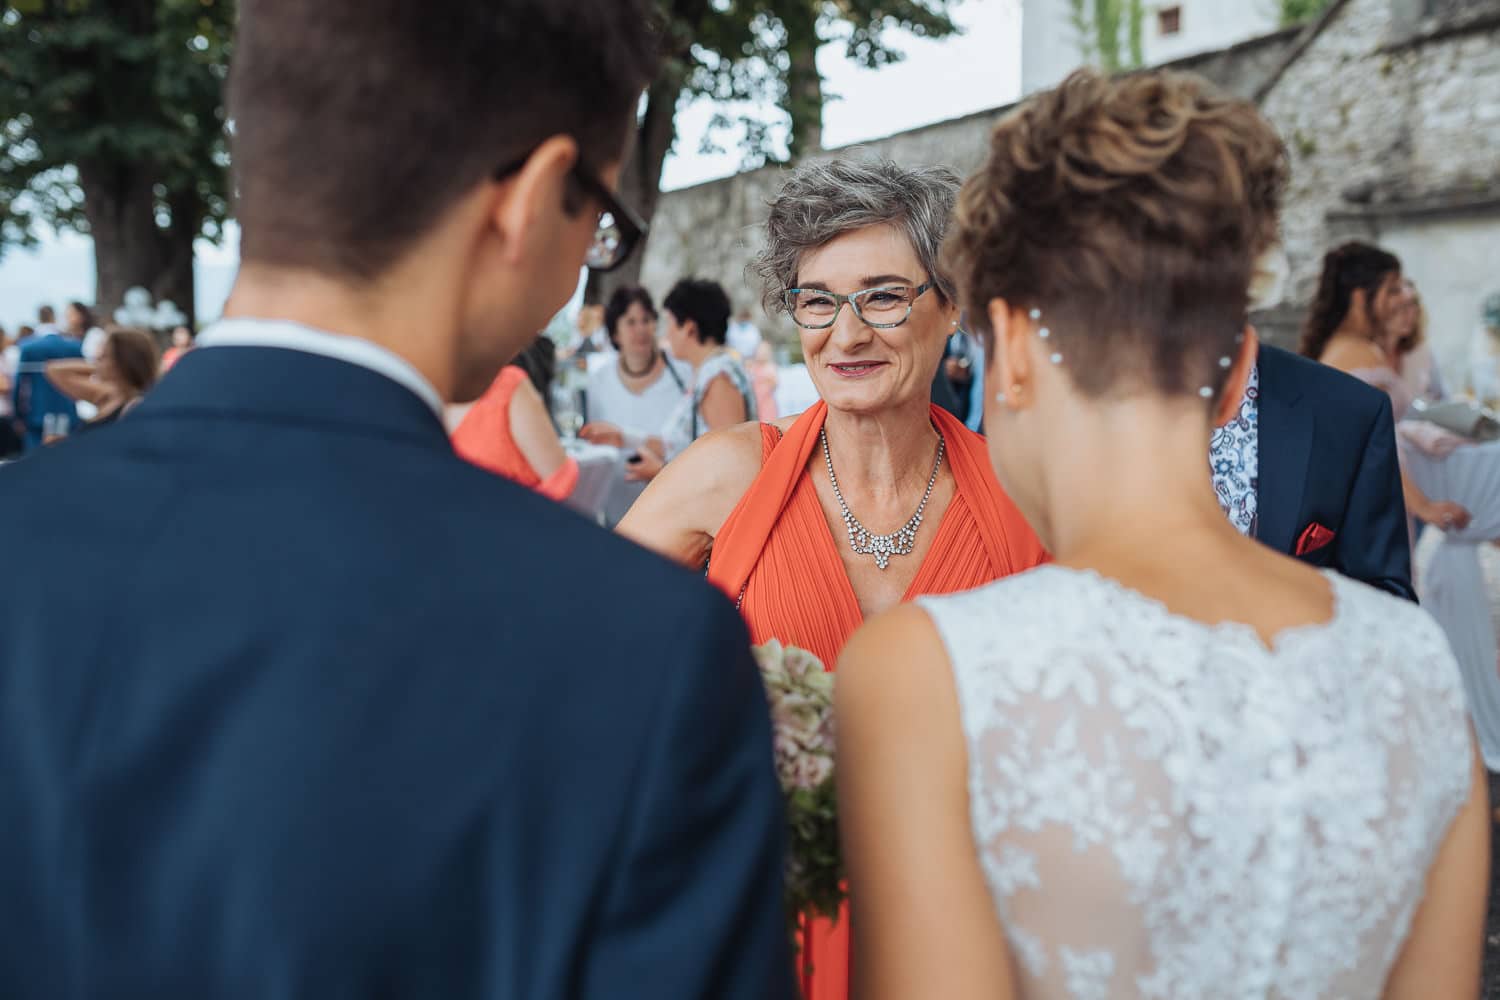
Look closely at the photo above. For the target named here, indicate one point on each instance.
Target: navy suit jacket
(33, 396)
(342, 716)
(1328, 457)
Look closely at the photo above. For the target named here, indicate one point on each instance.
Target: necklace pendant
(882, 559)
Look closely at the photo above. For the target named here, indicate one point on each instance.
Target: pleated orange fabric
(776, 553)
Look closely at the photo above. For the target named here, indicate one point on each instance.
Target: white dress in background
(1169, 809)
(638, 415)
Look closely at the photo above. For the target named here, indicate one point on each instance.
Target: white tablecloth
(599, 466)
(1452, 582)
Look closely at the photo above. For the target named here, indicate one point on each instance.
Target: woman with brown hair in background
(127, 368)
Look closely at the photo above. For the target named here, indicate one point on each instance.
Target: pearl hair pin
(1045, 334)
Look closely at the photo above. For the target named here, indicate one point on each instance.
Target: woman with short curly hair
(872, 497)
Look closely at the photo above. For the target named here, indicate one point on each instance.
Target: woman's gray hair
(822, 201)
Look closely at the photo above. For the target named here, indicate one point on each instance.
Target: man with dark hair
(324, 720)
(38, 406)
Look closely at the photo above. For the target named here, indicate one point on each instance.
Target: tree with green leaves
(757, 52)
(1111, 33)
(114, 127)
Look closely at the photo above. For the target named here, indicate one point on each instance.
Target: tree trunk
(640, 181)
(121, 211)
(804, 88)
(130, 249)
(175, 281)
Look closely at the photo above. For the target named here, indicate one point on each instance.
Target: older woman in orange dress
(872, 497)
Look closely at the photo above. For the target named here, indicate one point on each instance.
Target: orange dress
(776, 555)
(483, 437)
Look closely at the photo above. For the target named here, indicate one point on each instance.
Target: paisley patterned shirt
(1235, 459)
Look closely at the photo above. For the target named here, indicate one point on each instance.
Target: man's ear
(530, 203)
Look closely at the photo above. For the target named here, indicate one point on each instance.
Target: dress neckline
(1239, 631)
(924, 568)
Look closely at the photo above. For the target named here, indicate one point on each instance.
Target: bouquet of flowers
(801, 696)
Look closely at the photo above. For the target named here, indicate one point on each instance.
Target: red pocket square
(1314, 538)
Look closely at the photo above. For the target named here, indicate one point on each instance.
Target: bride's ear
(1242, 365)
(1008, 366)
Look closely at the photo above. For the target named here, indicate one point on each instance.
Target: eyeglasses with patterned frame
(875, 307)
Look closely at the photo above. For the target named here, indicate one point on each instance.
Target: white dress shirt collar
(296, 337)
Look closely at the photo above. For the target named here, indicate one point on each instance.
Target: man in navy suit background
(33, 397)
(1308, 466)
(325, 719)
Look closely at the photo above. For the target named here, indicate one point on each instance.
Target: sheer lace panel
(1169, 809)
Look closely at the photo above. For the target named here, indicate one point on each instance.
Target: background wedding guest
(851, 255)
(126, 370)
(764, 377)
(630, 401)
(78, 323)
(744, 336)
(328, 718)
(719, 391)
(1412, 351)
(1175, 760)
(509, 430)
(1360, 293)
(34, 400)
(182, 342)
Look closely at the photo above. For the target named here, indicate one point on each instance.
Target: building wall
(1206, 25)
(1050, 47)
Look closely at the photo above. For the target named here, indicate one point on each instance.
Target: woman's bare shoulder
(692, 497)
(1348, 354)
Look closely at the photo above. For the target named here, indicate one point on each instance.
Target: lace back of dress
(1167, 809)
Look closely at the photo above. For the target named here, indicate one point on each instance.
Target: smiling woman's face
(858, 368)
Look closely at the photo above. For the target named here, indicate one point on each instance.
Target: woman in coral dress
(874, 496)
(509, 431)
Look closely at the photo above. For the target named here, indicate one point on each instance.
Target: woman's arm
(722, 405)
(924, 924)
(686, 505)
(1438, 513)
(1443, 952)
(531, 428)
(74, 378)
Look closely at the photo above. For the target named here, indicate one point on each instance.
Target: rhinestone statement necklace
(864, 542)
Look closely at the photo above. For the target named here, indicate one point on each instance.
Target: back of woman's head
(1131, 213)
(620, 303)
(1353, 267)
(136, 359)
(705, 303)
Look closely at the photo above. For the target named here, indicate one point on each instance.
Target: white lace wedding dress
(1170, 809)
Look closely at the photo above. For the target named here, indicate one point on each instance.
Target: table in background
(599, 467)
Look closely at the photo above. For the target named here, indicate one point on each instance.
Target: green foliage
(1111, 33)
(107, 85)
(1297, 11)
(815, 862)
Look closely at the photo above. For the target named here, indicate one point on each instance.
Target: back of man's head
(358, 123)
(44, 314)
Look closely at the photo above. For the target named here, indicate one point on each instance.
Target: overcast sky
(939, 80)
